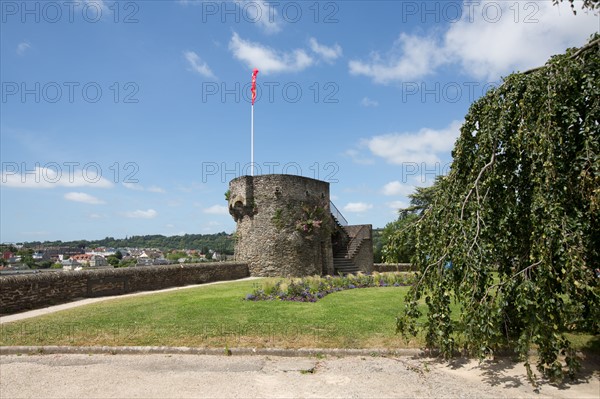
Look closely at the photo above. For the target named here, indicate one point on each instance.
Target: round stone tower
(284, 224)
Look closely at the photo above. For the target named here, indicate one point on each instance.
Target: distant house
(102, 251)
(70, 264)
(124, 251)
(14, 260)
(150, 253)
(40, 256)
(57, 252)
(83, 259)
(98, 261)
(145, 261)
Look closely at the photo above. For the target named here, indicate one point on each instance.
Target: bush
(311, 289)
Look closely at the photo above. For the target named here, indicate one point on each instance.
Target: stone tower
(284, 224)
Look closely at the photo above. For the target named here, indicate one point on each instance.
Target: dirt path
(193, 376)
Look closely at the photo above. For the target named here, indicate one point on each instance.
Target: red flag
(253, 89)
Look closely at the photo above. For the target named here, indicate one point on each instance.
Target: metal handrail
(337, 214)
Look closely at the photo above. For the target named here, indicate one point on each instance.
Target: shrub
(311, 289)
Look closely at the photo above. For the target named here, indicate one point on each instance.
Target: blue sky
(129, 118)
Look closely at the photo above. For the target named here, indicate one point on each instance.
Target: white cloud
(156, 189)
(415, 147)
(140, 214)
(396, 188)
(395, 205)
(266, 59)
(411, 57)
(328, 54)
(134, 186)
(217, 210)
(52, 177)
(492, 39)
(524, 36)
(357, 158)
(357, 207)
(96, 3)
(83, 197)
(367, 102)
(139, 187)
(261, 13)
(197, 65)
(95, 216)
(191, 187)
(98, 9)
(23, 47)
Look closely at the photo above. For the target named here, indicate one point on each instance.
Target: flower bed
(311, 289)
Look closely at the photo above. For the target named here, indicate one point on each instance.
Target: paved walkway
(201, 376)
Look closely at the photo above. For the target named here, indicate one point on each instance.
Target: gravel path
(195, 376)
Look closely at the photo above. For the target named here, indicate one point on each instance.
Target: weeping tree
(585, 4)
(512, 235)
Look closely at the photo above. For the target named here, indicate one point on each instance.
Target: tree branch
(576, 54)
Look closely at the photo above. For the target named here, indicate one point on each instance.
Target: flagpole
(252, 142)
(253, 90)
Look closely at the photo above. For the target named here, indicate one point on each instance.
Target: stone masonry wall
(364, 257)
(269, 211)
(32, 291)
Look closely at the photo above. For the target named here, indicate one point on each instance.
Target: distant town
(36, 257)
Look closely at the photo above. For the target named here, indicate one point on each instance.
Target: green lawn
(217, 315)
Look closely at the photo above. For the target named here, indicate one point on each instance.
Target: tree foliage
(512, 234)
(586, 4)
(398, 237)
(221, 242)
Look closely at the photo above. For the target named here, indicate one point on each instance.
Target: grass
(217, 316)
